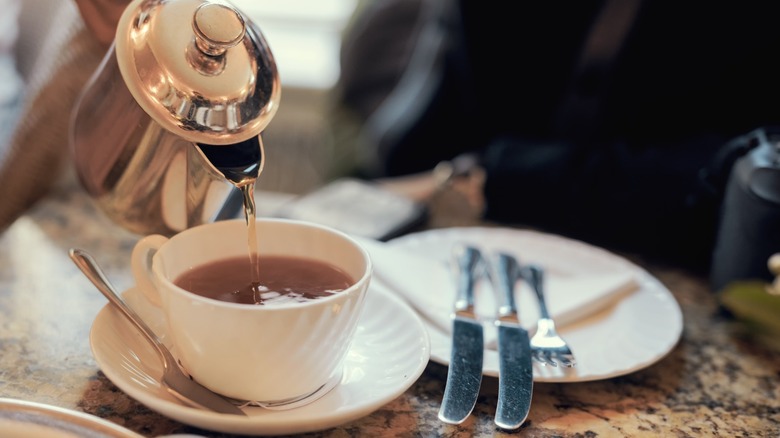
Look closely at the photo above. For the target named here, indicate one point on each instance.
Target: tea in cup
(280, 338)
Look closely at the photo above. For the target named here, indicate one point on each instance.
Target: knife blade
(464, 375)
(515, 371)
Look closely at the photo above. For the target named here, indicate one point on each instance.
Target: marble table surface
(715, 382)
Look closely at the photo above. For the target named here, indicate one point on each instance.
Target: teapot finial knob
(217, 27)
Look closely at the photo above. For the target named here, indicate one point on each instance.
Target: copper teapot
(179, 74)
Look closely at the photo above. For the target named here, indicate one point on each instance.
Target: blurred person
(61, 45)
(101, 17)
(608, 121)
(11, 84)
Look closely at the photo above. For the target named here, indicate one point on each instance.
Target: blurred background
(305, 37)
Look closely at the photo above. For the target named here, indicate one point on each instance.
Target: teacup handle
(141, 263)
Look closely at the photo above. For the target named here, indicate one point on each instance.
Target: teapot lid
(198, 68)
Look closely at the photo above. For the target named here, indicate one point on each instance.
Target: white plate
(26, 419)
(389, 352)
(632, 334)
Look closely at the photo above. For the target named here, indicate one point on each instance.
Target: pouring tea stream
(241, 164)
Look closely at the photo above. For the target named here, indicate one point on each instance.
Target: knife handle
(467, 260)
(505, 272)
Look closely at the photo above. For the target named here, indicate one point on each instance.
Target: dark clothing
(623, 170)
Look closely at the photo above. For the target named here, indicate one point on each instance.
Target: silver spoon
(175, 381)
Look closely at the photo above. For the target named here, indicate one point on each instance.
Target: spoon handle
(174, 379)
(92, 270)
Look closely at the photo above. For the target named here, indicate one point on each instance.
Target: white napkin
(429, 287)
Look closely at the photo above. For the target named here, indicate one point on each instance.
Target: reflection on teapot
(181, 73)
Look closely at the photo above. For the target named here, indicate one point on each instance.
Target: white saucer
(390, 351)
(26, 419)
(634, 333)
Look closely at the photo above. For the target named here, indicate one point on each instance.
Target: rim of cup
(275, 307)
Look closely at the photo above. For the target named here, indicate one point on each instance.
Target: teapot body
(145, 178)
(180, 73)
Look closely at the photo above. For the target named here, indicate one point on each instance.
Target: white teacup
(252, 352)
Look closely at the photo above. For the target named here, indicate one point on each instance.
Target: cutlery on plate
(515, 372)
(547, 346)
(464, 375)
(175, 381)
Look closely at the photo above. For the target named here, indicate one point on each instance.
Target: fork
(547, 347)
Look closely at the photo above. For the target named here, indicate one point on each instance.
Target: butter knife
(515, 372)
(464, 375)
